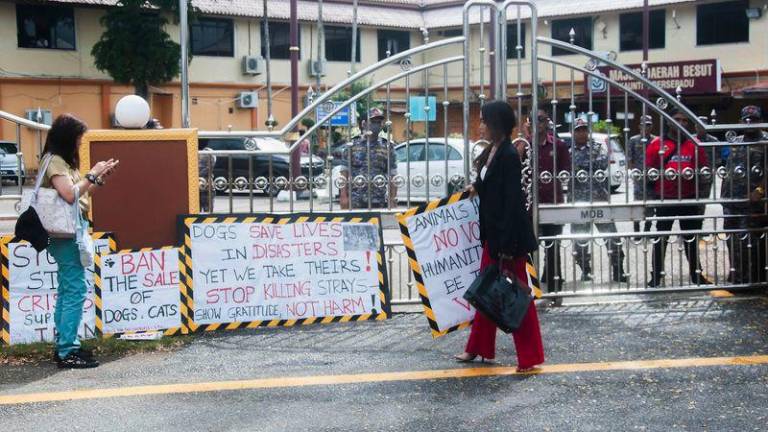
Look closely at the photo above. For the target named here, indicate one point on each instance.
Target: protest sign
(138, 291)
(443, 243)
(282, 270)
(29, 285)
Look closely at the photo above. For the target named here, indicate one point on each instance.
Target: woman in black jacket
(506, 231)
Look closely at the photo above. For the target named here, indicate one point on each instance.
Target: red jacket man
(689, 155)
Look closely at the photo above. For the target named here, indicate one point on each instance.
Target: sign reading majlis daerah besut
(693, 77)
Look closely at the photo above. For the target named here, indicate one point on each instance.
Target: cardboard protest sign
(138, 291)
(282, 270)
(443, 243)
(29, 285)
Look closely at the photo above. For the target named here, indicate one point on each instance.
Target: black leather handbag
(501, 299)
(29, 228)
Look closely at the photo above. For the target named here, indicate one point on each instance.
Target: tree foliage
(135, 49)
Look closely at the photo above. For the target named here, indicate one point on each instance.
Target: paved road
(672, 369)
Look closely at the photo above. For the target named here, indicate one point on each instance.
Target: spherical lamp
(132, 112)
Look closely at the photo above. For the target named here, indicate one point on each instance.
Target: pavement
(654, 363)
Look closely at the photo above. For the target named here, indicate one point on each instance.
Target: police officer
(746, 168)
(637, 145)
(372, 159)
(591, 184)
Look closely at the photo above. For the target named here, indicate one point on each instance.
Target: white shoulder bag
(55, 214)
(82, 237)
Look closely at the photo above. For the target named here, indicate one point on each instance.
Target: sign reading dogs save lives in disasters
(443, 243)
(284, 269)
(30, 286)
(139, 291)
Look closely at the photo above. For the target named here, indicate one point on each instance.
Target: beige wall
(46, 62)
(680, 44)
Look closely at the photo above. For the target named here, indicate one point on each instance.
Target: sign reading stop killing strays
(443, 243)
(284, 270)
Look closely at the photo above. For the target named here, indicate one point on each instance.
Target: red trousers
(528, 344)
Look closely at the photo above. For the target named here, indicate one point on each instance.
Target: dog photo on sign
(360, 237)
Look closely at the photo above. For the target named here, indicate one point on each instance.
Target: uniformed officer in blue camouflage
(591, 184)
(746, 180)
(369, 164)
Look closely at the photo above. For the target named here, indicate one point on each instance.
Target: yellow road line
(320, 380)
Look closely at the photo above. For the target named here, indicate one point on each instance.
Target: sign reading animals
(443, 243)
(247, 271)
(138, 291)
(29, 284)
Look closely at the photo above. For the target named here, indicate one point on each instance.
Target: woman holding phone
(61, 155)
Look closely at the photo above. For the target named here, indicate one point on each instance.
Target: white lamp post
(132, 112)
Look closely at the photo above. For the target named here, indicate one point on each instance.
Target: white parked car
(9, 162)
(615, 153)
(414, 158)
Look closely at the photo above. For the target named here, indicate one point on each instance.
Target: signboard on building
(423, 109)
(344, 118)
(693, 77)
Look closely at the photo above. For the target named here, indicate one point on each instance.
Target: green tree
(362, 104)
(135, 49)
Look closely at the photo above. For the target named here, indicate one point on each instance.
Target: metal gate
(623, 212)
(589, 244)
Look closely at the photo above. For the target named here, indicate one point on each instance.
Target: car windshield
(7, 147)
(616, 146)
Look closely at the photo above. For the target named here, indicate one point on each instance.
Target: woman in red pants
(506, 231)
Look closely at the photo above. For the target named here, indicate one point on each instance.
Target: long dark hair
(62, 138)
(500, 120)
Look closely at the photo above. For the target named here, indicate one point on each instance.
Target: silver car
(9, 162)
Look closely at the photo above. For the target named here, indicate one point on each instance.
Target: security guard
(372, 159)
(746, 168)
(591, 183)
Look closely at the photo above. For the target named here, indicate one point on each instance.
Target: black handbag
(29, 228)
(500, 298)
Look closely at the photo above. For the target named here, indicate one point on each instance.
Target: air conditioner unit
(248, 100)
(39, 115)
(317, 67)
(253, 65)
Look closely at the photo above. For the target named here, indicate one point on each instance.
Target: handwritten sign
(260, 270)
(445, 242)
(32, 284)
(139, 291)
